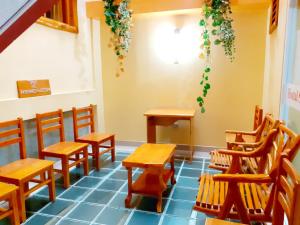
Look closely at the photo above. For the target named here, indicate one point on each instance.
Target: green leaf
(207, 70)
(202, 109)
(200, 99)
(207, 86)
(214, 32)
(206, 43)
(201, 82)
(206, 78)
(217, 42)
(202, 23)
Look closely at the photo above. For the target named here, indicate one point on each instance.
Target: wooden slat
(9, 123)
(216, 194)
(84, 117)
(249, 198)
(222, 192)
(10, 141)
(201, 188)
(48, 129)
(52, 120)
(261, 196)
(211, 191)
(287, 187)
(284, 204)
(206, 189)
(255, 197)
(242, 190)
(84, 125)
(9, 132)
(83, 109)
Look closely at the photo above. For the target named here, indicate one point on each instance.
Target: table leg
(191, 143)
(151, 130)
(173, 180)
(129, 195)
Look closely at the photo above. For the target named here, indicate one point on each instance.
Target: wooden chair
(8, 193)
(25, 170)
(84, 118)
(254, 161)
(65, 151)
(248, 197)
(249, 140)
(258, 116)
(287, 195)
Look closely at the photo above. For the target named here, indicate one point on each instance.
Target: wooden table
(167, 117)
(153, 181)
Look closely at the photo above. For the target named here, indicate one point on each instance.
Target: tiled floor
(99, 199)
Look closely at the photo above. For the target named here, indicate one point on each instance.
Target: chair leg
(51, 185)
(65, 171)
(22, 209)
(96, 156)
(77, 157)
(86, 161)
(14, 206)
(113, 151)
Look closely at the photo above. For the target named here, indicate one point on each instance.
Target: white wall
(66, 59)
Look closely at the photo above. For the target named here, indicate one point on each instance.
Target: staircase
(17, 15)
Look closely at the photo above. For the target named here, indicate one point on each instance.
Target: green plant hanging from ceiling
(119, 18)
(217, 29)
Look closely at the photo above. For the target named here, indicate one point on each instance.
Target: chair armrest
(246, 144)
(235, 153)
(243, 178)
(253, 133)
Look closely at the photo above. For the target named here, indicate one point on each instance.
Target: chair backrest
(47, 122)
(287, 194)
(12, 132)
(258, 115)
(267, 124)
(282, 143)
(83, 117)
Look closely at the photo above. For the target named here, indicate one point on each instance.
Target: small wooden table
(153, 181)
(167, 117)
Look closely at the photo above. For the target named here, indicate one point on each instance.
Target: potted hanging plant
(118, 17)
(217, 27)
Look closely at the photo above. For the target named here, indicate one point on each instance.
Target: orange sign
(33, 88)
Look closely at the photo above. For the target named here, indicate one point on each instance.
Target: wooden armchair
(254, 161)
(248, 197)
(25, 170)
(249, 140)
(65, 151)
(287, 194)
(8, 193)
(84, 117)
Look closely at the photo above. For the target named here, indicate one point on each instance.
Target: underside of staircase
(18, 15)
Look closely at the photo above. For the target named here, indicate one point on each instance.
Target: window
(62, 16)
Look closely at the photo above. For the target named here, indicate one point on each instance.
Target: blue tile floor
(99, 198)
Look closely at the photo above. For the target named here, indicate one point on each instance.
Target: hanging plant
(119, 18)
(217, 29)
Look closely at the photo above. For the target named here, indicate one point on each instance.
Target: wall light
(174, 45)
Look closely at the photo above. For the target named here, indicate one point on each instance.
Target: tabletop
(171, 112)
(150, 155)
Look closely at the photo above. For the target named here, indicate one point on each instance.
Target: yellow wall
(150, 82)
(275, 44)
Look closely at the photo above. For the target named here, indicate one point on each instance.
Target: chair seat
(6, 189)
(23, 168)
(93, 138)
(223, 161)
(64, 148)
(212, 194)
(212, 221)
(231, 137)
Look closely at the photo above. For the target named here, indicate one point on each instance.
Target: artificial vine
(119, 18)
(217, 28)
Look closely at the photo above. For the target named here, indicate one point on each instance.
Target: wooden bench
(248, 197)
(66, 151)
(84, 118)
(8, 193)
(25, 170)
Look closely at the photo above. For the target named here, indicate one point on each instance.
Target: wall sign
(33, 88)
(293, 96)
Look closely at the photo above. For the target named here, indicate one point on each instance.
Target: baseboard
(180, 147)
